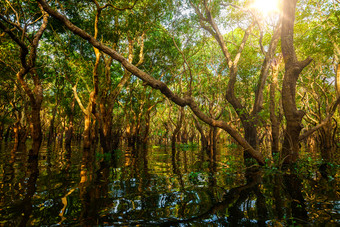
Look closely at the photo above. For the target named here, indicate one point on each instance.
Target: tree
(249, 119)
(23, 32)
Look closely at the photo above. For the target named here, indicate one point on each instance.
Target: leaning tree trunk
(293, 68)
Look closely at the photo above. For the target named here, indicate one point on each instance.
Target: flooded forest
(169, 113)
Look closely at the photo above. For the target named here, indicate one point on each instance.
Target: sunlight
(265, 7)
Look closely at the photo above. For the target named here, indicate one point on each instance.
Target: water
(154, 186)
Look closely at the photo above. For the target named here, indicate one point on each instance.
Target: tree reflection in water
(161, 186)
(30, 189)
(293, 186)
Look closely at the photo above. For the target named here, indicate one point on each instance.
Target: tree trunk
(204, 141)
(7, 133)
(51, 131)
(293, 68)
(275, 120)
(36, 129)
(87, 132)
(20, 135)
(337, 80)
(146, 128)
(69, 130)
(213, 140)
(106, 137)
(177, 129)
(326, 142)
(1, 130)
(250, 134)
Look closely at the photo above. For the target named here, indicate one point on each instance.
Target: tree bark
(326, 142)
(36, 129)
(88, 124)
(337, 80)
(274, 118)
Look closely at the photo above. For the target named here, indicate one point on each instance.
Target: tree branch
(324, 122)
(23, 47)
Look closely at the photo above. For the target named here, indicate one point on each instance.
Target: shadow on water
(157, 187)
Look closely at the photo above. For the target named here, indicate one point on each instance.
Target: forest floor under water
(159, 187)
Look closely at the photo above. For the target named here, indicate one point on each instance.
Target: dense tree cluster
(109, 73)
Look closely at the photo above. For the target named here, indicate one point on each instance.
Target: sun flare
(265, 7)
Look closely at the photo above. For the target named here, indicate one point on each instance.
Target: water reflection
(161, 186)
(30, 187)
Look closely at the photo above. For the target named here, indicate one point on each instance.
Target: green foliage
(187, 146)
(232, 146)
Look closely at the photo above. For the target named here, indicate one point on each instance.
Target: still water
(159, 187)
